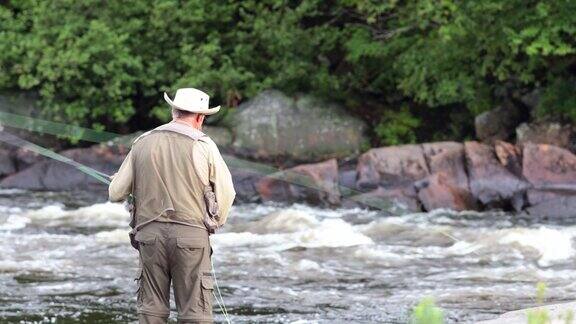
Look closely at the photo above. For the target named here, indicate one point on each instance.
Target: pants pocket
(207, 289)
(146, 245)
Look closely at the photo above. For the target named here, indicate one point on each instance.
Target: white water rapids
(64, 259)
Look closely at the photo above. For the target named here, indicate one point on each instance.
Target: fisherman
(167, 172)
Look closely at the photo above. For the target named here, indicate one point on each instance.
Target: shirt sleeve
(219, 175)
(121, 185)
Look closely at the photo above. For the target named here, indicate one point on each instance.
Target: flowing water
(66, 258)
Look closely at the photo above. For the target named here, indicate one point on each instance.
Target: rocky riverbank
(301, 149)
(536, 179)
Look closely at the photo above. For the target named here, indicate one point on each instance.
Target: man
(166, 173)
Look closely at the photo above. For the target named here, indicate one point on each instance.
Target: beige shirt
(165, 172)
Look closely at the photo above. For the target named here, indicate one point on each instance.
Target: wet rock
(315, 183)
(7, 162)
(557, 313)
(537, 196)
(347, 182)
(394, 201)
(497, 124)
(560, 206)
(25, 158)
(547, 133)
(439, 191)
(275, 127)
(447, 158)
(57, 176)
(392, 166)
(490, 182)
(552, 172)
(549, 167)
(510, 156)
(244, 184)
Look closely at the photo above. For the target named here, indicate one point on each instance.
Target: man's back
(166, 172)
(166, 181)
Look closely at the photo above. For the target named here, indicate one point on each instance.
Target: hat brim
(204, 111)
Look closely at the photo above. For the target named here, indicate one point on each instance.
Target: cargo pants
(177, 254)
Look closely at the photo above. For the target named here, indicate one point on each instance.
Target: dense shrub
(106, 62)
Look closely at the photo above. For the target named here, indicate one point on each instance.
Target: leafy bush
(106, 62)
(426, 312)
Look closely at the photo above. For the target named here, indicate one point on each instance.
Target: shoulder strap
(192, 133)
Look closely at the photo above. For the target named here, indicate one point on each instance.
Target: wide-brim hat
(193, 100)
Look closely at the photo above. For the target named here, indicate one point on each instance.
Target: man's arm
(211, 166)
(221, 179)
(121, 185)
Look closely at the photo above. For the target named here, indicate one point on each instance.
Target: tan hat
(193, 100)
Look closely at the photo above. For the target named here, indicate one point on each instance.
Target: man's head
(194, 119)
(190, 106)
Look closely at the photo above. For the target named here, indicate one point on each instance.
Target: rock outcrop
(313, 183)
(497, 124)
(439, 191)
(535, 179)
(490, 182)
(551, 171)
(281, 129)
(393, 166)
(547, 133)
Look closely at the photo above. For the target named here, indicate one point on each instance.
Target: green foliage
(539, 316)
(426, 312)
(397, 127)
(107, 62)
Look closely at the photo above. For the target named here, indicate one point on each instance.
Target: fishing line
(222, 305)
(100, 176)
(22, 143)
(87, 134)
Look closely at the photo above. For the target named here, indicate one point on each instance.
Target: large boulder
(549, 167)
(490, 182)
(447, 185)
(439, 191)
(447, 158)
(315, 183)
(393, 166)
(547, 133)
(497, 124)
(552, 172)
(275, 127)
(57, 176)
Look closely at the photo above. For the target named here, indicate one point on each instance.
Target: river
(66, 258)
